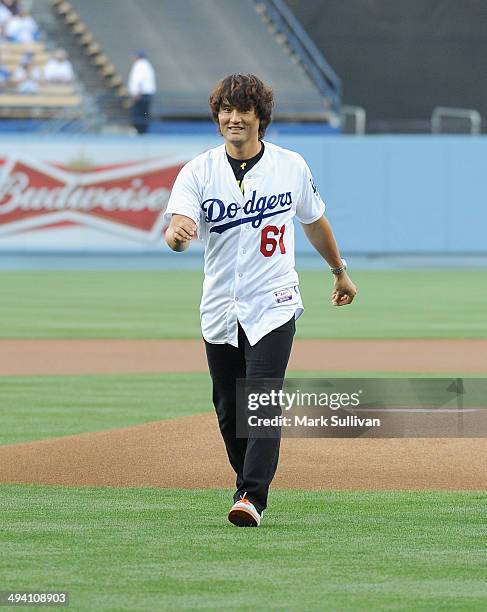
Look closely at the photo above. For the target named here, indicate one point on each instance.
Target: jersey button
(240, 274)
(236, 299)
(244, 251)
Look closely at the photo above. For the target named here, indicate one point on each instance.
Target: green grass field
(164, 304)
(149, 549)
(38, 407)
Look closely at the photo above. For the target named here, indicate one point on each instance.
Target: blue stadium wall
(402, 194)
(384, 195)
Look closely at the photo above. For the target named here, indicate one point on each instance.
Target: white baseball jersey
(248, 238)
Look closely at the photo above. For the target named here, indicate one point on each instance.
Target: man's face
(238, 127)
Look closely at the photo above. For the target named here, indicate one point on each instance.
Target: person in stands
(27, 76)
(13, 6)
(22, 28)
(58, 68)
(5, 17)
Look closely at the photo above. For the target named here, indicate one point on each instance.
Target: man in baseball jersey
(240, 200)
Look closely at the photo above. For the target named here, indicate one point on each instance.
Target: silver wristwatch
(342, 268)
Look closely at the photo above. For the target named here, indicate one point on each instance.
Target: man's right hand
(180, 232)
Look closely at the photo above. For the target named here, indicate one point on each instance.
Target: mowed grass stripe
(100, 304)
(164, 304)
(38, 407)
(149, 549)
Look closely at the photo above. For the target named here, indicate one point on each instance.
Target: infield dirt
(63, 357)
(188, 452)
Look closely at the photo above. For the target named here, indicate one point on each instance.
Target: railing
(471, 115)
(318, 69)
(357, 113)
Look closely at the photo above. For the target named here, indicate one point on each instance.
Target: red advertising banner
(124, 200)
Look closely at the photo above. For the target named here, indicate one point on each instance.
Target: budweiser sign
(126, 199)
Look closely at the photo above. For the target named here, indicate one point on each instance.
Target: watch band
(342, 268)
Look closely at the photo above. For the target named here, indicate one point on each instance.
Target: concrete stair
(102, 105)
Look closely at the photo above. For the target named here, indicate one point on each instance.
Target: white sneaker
(244, 514)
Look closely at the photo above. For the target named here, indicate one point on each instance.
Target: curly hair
(244, 92)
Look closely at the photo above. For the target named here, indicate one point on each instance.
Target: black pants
(141, 113)
(253, 459)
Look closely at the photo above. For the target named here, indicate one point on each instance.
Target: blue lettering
(260, 208)
(255, 211)
(261, 204)
(232, 210)
(214, 209)
(249, 204)
(313, 187)
(272, 202)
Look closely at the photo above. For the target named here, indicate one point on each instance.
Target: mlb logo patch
(284, 295)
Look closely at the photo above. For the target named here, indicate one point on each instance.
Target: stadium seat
(38, 100)
(87, 39)
(115, 81)
(62, 7)
(21, 48)
(56, 89)
(93, 48)
(71, 18)
(108, 70)
(79, 28)
(100, 60)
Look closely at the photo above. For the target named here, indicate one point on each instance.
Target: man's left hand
(344, 290)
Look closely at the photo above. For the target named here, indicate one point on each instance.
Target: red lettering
(268, 240)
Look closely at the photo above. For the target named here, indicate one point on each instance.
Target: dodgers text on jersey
(255, 210)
